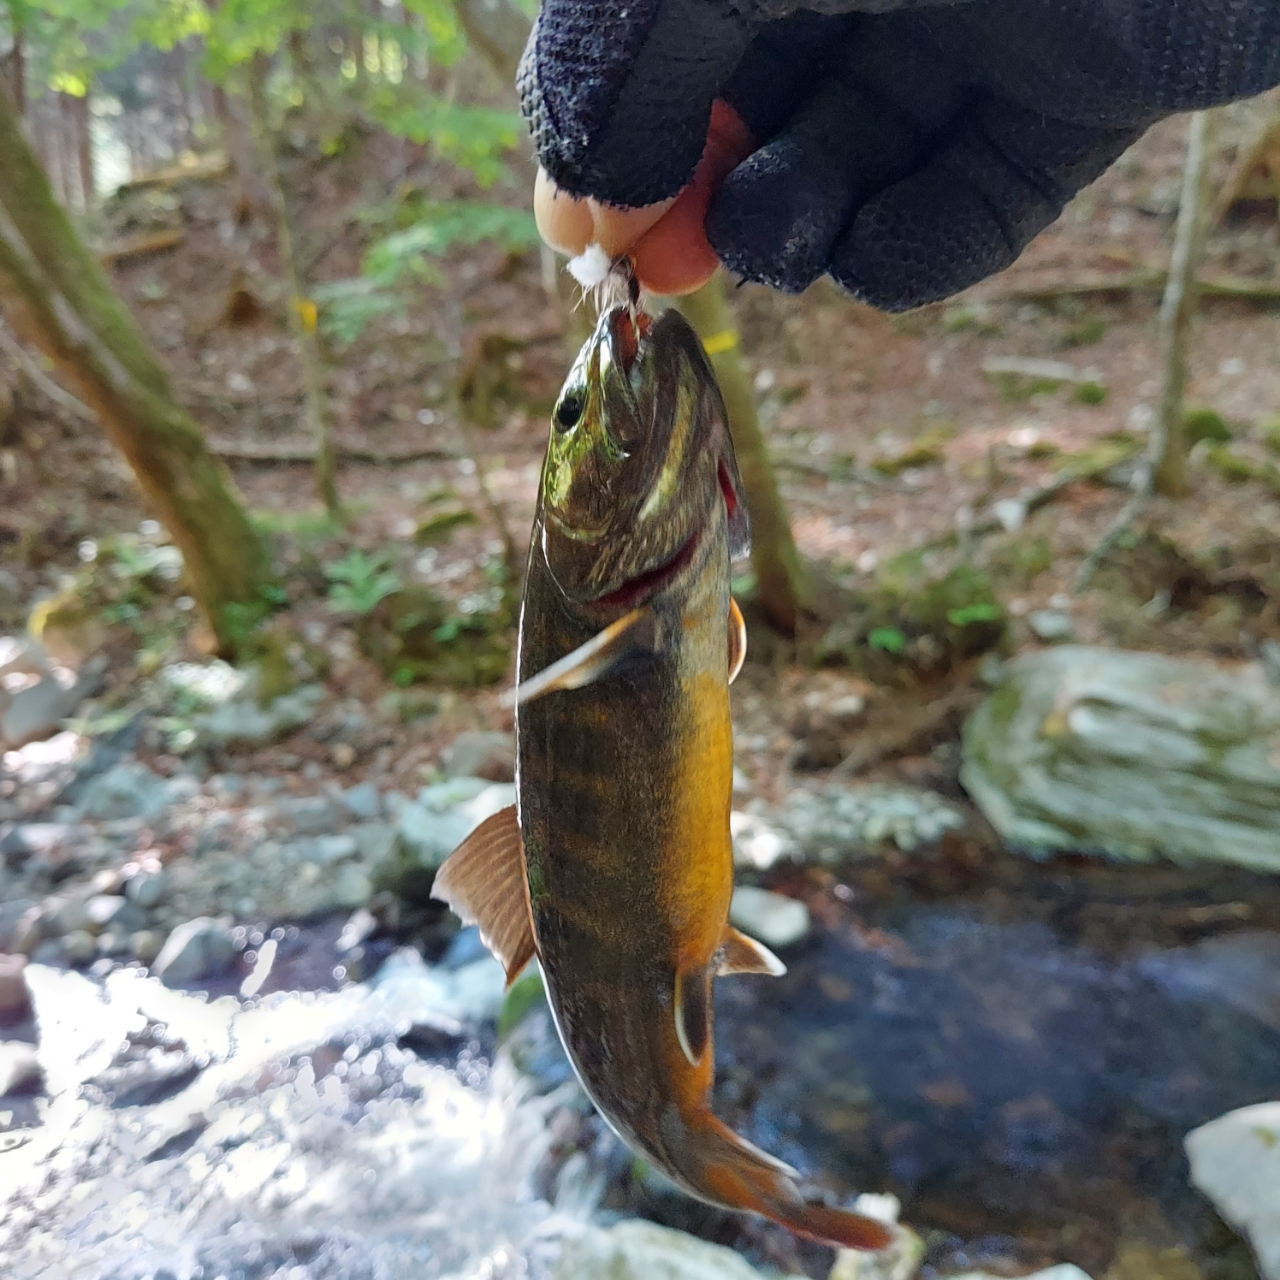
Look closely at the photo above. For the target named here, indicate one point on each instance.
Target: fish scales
(615, 867)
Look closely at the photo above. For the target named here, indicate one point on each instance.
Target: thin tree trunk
(84, 149)
(779, 574)
(15, 68)
(302, 316)
(55, 295)
(1181, 296)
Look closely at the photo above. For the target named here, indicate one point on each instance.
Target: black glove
(910, 148)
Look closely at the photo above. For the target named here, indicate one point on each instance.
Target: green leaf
(983, 611)
(887, 640)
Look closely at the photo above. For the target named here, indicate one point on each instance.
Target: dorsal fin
(740, 954)
(693, 1012)
(737, 640)
(634, 632)
(483, 880)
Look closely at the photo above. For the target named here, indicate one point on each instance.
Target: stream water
(1016, 1051)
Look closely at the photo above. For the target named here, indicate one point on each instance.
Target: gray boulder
(1235, 1161)
(1134, 755)
(429, 828)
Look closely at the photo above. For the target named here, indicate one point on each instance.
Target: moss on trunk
(55, 294)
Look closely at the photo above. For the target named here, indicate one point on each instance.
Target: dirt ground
(844, 392)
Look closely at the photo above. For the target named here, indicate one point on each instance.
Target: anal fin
(693, 1012)
(634, 632)
(737, 640)
(484, 882)
(740, 954)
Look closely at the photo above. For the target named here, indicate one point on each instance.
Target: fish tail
(732, 1172)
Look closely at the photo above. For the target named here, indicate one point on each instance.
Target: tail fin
(732, 1172)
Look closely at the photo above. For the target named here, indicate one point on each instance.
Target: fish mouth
(644, 586)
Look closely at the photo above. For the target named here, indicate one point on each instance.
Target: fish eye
(568, 411)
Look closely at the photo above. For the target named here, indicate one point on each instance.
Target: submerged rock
(639, 1250)
(1132, 755)
(1235, 1161)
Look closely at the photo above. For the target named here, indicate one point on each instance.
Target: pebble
(145, 945)
(147, 889)
(19, 1066)
(79, 946)
(64, 915)
(13, 987)
(113, 911)
(11, 913)
(774, 919)
(308, 815)
(1051, 625)
(200, 948)
(27, 931)
(491, 756)
(127, 790)
(362, 802)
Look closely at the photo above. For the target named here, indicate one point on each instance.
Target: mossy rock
(1205, 424)
(1237, 468)
(925, 450)
(414, 636)
(1269, 433)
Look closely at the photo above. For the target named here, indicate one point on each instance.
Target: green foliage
(887, 639)
(969, 614)
(476, 138)
(358, 583)
(347, 306)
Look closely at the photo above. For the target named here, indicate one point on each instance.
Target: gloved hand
(908, 147)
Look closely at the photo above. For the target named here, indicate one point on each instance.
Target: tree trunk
(779, 574)
(1181, 296)
(497, 31)
(56, 295)
(302, 314)
(14, 70)
(84, 149)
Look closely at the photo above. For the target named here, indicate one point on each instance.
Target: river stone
(13, 986)
(639, 1250)
(19, 1066)
(429, 828)
(35, 713)
(1235, 1161)
(244, 722)
(1132, 755)
(128, 790)
(773, 918)
(480, 755)
(201, 948)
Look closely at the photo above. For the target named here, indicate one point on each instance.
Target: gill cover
(640, 461)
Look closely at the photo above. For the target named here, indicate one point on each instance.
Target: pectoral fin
(740, 954)
(483, 880)
(635, 632)
(737, 640)
(693, 1012)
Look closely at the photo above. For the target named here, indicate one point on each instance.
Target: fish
(615, 866)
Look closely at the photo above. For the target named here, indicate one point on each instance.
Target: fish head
(640, 471)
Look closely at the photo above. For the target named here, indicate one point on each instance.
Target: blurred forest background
(278, 344)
